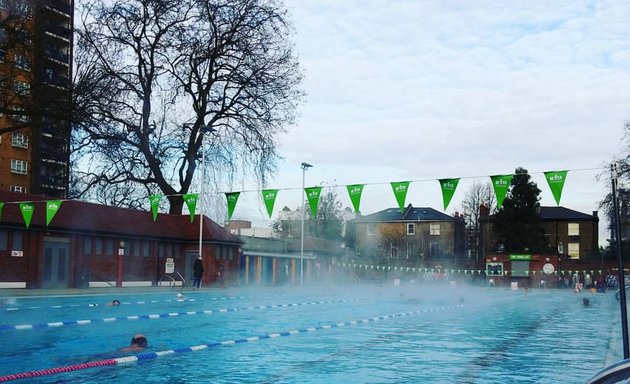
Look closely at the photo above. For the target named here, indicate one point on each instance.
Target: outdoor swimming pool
(350, 333)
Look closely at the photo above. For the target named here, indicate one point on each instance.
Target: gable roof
(409, 214)
(82, 217)
(562, 213)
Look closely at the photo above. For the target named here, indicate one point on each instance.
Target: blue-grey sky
(422, 90)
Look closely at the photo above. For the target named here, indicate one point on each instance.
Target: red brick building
(93, 245)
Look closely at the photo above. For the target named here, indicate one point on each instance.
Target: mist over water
(429, 332)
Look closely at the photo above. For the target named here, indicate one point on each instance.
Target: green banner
(400, 189)
(52, 207)
(501, 184)
(155, 205)
(269, 197)
(521, 257)
(232, 198)
(448, 190)
(27, 212)
(1, 205)
(355, 191)
(556, 179)
(312, 194)
(191, 203)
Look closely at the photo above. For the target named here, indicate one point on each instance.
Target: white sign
(548, 268)
(17, 253)
(169, 259)
(121, 251)
(169, 268)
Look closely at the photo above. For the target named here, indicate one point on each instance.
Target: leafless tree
(478, 194)
(153, 75)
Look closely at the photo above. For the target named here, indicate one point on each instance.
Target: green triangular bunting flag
(501, 184)
(400, 189)
(556, 179)
(269, 197)
(27, 212)
(448, 190)
(312, 194)
(191, 203)
(155, 205)
(1, 205)
(355, 191)
(52, 207)
(232, 198)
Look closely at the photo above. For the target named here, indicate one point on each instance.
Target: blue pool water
(428, 334)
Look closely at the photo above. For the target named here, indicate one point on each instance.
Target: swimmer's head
(116, 302)
(139, 340)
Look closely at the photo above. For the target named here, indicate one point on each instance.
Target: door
(55, 271)
(189, 260)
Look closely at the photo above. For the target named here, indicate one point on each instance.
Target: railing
(172, 279)
(615, 373)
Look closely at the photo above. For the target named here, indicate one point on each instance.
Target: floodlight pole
(203, 130)
(305, 166)
(622, 279)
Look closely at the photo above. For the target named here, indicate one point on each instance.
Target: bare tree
(479, 194)
(153, 75)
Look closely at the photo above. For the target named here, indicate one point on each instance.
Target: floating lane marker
(57, 324)
(94, 305)
(154, 355)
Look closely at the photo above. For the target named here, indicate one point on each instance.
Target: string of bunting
(447, 271)
(500, 184)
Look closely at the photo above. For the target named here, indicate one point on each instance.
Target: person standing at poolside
(197, 272)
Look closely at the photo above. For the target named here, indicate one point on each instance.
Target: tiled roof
(562, 213)
(83, 217)
(409, 214)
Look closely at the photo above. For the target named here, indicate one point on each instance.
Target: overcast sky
(423, 90)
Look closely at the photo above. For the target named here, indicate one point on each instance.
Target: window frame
(573, 229)
(411, 229)
(434, 229)
(19, 167)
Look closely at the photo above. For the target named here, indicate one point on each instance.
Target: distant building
(417, 236)
(92, 245)
(269, 260)
(570, 233)
(35, 82)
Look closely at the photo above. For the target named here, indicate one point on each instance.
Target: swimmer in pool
(138, 343)
(114, 303)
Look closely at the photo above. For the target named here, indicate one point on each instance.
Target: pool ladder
(615, 373)
(172, 281)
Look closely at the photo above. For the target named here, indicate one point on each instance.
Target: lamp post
(305, 166)
(203, 129)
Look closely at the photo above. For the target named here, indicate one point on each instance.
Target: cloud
(431, 89)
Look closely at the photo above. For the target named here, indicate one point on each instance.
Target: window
(19, 140)
(520, 268)
(574, 250)
(145, 249)
(494, 269)
(22, 62)
(231, 253)
(19, 116)
(434, 249)
(18, 240)
(4, 239)
(136, 248)
(393, 251)
(371, 229)
(98, 246)
(19, 166)
(17, 188)
(87, 245)
(574, 229)
(434, 229)
(411, 229)
(109, 247)
(21, 88)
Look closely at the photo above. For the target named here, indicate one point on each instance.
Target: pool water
(409, 334)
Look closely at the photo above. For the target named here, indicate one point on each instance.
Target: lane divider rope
(96, 305)
(67, 323)
(154, 355)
